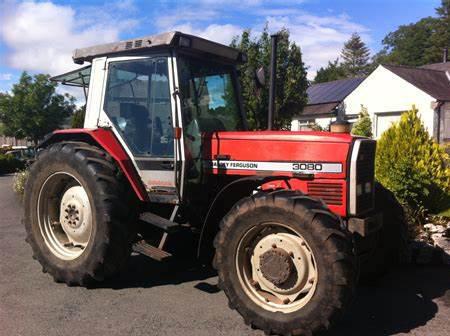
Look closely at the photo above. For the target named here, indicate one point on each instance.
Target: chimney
(445, 59)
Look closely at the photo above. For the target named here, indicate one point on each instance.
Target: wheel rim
(276, 268)
(64, 215)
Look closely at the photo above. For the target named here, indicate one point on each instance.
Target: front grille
(365, 173)
(330, 193)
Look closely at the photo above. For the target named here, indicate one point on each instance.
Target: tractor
(290, 220)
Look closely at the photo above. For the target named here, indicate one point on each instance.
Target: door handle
(222, 157)
(168, 165)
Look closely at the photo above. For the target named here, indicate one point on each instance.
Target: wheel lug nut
(286, 301)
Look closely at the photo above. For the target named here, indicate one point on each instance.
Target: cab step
(160, 222)
(150, 251)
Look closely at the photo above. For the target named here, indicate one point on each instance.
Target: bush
(363, 126)
(9, 164)
(19, 180)
(413, 166)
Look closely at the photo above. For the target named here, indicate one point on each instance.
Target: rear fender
(105, 139)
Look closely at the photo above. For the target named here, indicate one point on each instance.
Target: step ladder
(167, 226)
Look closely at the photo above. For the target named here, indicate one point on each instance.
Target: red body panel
(108, 141)
(292, 147)
(272, 147)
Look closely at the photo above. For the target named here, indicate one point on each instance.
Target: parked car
(22, 153)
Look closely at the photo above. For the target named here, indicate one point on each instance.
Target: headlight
(359, 189)
(368, 187)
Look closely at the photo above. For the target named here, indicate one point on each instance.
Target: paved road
(174, 299)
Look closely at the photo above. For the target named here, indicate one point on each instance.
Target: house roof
(331, 92)
(437, 66)
(434, 82)
(323, 98)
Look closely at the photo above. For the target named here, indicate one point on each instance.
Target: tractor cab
(158, 95)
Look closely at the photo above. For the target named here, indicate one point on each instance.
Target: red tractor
(290, 216)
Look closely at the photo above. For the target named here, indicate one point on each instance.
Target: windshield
(208, 95)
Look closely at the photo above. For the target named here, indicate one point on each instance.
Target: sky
(39, 36)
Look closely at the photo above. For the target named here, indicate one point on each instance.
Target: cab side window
(137, 101)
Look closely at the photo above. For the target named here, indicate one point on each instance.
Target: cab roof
(175, 40)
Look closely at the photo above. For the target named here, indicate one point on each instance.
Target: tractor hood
(316, 154)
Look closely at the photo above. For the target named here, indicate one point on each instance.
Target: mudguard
(106, 140)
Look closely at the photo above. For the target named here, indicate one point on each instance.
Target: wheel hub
(75, 215)
(72, 216)
(276, 265)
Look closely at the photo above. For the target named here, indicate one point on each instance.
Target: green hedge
(9, 164)
(413, 166)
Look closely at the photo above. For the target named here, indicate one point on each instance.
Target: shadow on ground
(398, 303)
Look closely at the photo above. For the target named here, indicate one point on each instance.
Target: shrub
(413, 166)
(19, 180)
(363, 126)
(9, 164)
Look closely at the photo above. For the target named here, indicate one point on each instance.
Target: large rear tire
(285, 263)
(79, 213)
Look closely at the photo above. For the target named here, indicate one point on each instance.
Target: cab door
(138, 105)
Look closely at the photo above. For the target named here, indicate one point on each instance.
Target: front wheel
(284, 263)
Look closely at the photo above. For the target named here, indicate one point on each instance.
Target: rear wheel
(79, 213)
(284, 263)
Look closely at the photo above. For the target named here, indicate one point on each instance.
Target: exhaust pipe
(272, 87)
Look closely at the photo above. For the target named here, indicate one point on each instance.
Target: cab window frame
(170, 144)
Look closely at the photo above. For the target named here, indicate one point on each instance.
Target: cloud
(215, 32)
(321, 37)
(40, 36)
(6, 76)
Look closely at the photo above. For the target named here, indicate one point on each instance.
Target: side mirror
(260, 77)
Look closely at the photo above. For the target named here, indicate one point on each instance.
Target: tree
(333, 71)
(441, 37)
(418, 43)
(408, 45)
(291, 82)
(77, 120)
(34, 109)
(355, 56)
(411, 165)
(363, 126)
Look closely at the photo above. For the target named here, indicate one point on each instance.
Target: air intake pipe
(273, 78)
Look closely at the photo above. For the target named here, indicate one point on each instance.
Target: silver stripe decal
(292, 167)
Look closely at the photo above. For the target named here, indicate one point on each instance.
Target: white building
(386, 93)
